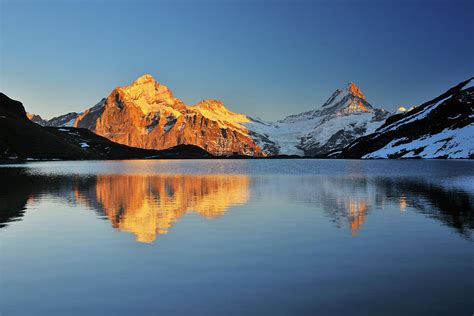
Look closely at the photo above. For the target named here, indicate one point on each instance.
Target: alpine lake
(237, 237)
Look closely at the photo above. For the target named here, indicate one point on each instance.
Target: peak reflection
(144, 205)
(148, 206)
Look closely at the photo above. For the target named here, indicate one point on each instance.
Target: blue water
(237, 237)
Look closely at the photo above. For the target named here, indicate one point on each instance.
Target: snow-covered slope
(345, 116)
(66, 120)
(440, 128)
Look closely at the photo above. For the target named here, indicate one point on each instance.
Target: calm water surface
(236, 237)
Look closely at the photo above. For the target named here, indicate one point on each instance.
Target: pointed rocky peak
(146, 84)
(352, 89)
(347, 100)
(149, 95)
(32, 116)
(146, 78)
(36, 118)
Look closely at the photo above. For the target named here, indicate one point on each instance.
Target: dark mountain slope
(19, 137)
(440, 128)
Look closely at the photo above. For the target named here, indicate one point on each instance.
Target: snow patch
(170, 121)
(455, 117)
(450, 143)
(69, 123)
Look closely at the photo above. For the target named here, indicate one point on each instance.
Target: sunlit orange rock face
(148, 206)
(147, 115)
(353, 89)
(35, 118)
(356, 101)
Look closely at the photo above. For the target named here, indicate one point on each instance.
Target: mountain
(21, 138)
(440, 128)
(147, 115)
(345, 116)
(36, 118)
(65, 120)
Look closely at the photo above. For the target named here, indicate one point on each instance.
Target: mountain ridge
(146, 114)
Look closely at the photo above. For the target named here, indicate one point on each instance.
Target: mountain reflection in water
(149, 205)
(146, 206)
(347, 201)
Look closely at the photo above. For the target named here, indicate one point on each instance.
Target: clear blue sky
(262, 58)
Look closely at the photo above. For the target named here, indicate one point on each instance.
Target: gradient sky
(263, 58)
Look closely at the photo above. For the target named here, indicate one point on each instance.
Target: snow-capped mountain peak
(350, 99)
(148, 94)
(146, 78)
(345, 116)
